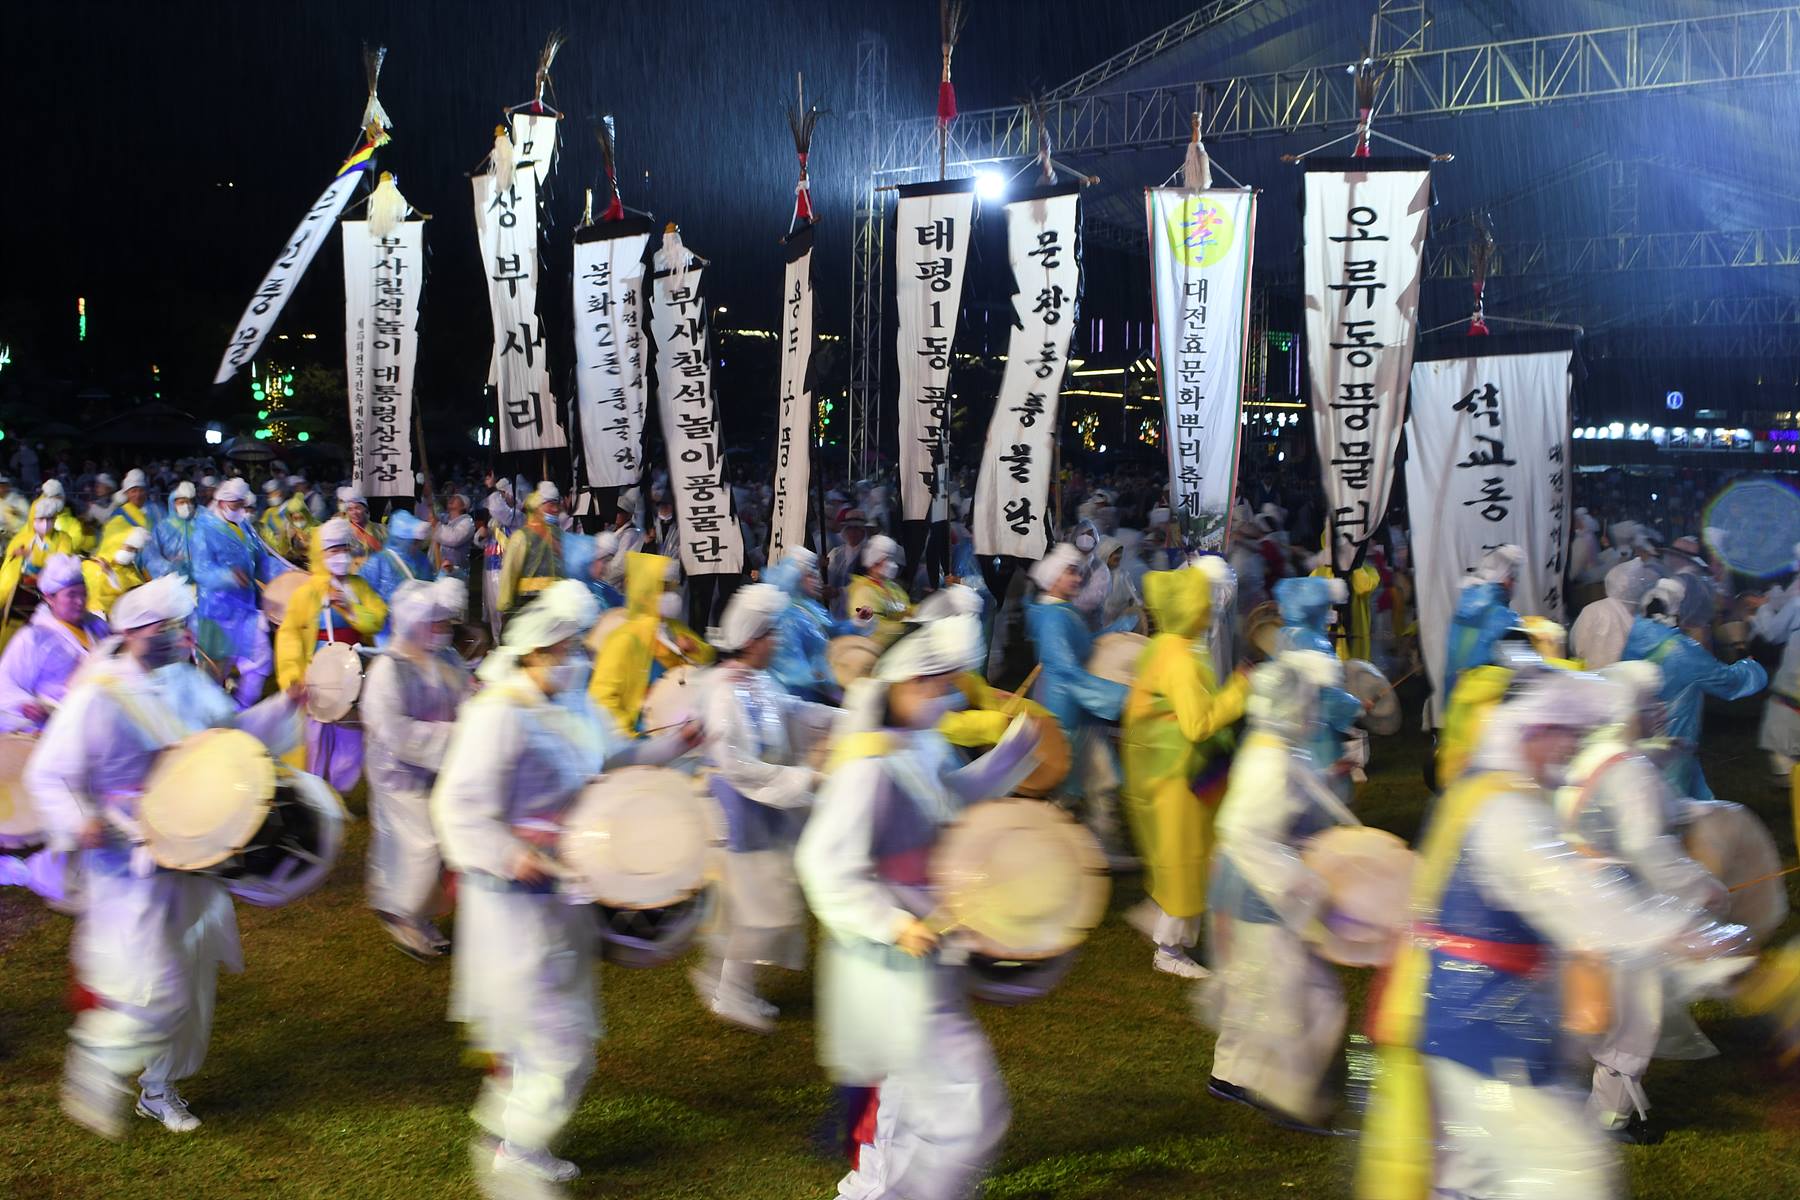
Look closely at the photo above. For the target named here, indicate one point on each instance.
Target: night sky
(173, 146)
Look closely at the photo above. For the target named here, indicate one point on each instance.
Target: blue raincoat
(1305, 603)
(167, 551)
(578, 551)
(804, 630)
(1482, 616)
(226, 617)
(1689, 675)
(1064, 644)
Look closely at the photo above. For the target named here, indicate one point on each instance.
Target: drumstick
(1762, 879)
(1014, 705)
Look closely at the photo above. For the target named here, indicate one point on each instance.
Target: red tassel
(1478, 327)
(1362, 138)
(946, 103)
(614, 211)
(803, 209)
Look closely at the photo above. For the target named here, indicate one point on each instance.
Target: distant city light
(214, 435)
(990, 185)
(304, 436)
(81, 318)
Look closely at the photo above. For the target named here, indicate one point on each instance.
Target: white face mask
(570, 674)
(670, 606)
(885, 569)
(234, 515)
(435, 639)
(338, 564)
(1085, 542)
(42, 527)
(125, 557)
(184, 508)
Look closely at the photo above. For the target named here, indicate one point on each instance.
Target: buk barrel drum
(1020, 884)
(1262, 629)
(1368, 875)
(1115, 656)
(1055, 759)
(640, 845)
(20, 827)
(334, 680)
(677, 697)
(1381, 707)
(217, 804)
(1729, 841)
(279, 592)
(609, 620)
(852, 658)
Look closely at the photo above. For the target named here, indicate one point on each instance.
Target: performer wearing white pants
(1277, 1006)
(1618, 805)
(409, 703)
(148, 943)
(757, 737)
(893, 1005)
(522, 750)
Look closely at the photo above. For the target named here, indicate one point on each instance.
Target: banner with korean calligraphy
(1012, 491)
(1201, 245)
(711, 541)
(793, 445)
(383, 277)
(507, 225)
(1364, 233)
(611, 374)
(534, 142)
(931, 246)
(271, 295)
(1487, 464)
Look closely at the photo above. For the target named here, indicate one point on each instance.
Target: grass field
(334, 1074)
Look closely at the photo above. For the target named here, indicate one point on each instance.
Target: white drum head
(852, 658)
(19, 823)
(279, 592)
(333, 682)
(1381, 707)
(1115, 656)
(677, 697)
(1730, 842)
(1369, 875)
(609, 620)
(1022, 877)
(206, 798)
(640, 837)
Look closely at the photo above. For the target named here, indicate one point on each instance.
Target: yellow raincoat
(299, 632)
(1477, 692)
(984, 722)
(1174, 710)
(128, 517)
(107, 580)
(886, 599)
(1365, 581)
(20, 553)
(622, 666)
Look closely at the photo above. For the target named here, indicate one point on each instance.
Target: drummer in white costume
(1277, 1005)
(408, 704)
(893, 1004)
(149, 942)
(1618, 806)
(522, 750)
(757, 739)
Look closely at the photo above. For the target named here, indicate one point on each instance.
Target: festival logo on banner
(1012, 492)
(1364, 229)
(1201, 243)
(1487, 465)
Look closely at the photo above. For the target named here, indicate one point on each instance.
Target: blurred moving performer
(409, 703)
(32, 547)
(1598, 635)
(893, 1009)
(523, 982)
(1617, 805)
(758, 738)
(1278, 1006)
(805, 630)
(1690, 674)
(230, 562)
(40, 660)
(1175, 712)
(1470, 1022)
(877, 602)
(1082, 703)
(651, 636)
(148, 943)
(533, 558)
(1483, 612)
(171, 537)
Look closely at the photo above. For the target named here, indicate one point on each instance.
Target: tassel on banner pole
(1196, 169)
(1482, 254)
(606, 133)
(541, 79)
(375, 117)
(953, 15)
(802, 121)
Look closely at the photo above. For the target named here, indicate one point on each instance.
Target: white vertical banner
(711, 542)
(793, 444)
(272, 294)
(1364, 230)
(611, 376)
(383, 278)
(1487, 464)
(1201, 245)
(1012, 490)
(506, 222)
(931, 247)
(534, 142)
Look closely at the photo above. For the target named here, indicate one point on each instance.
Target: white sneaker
(435, 936)
(1173, 962)
(533, 1164)
(170, 1109)
(92, 1096)
(410, 940)
(753, 1014)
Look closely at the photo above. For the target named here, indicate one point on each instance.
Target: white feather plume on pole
(1196, 169)
(387, 207)
(674, 257)
(503, 159)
